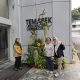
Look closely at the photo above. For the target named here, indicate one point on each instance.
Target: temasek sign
(35, 22)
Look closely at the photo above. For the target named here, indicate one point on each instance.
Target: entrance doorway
(3, 43)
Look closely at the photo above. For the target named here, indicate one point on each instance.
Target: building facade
(23, 12)
(76, 27)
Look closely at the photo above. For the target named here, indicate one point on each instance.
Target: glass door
(3, 43)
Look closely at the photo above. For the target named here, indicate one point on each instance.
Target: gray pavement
(69, 73)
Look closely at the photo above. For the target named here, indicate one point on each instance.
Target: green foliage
(33, 38)
(39, 51)
(30, 59)
(35, 56)
(73, 50)
(76, 14)
(55, 63)
(41, 62)
(64, 61)
(44, 29)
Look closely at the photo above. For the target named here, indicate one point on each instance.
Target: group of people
(52, 51)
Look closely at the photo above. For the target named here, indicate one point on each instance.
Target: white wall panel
(61, 21)
(27, 13)
(67, 54)
(24, 52)
(48, 10)
(42, 1)
(61, 0)
(28, 2)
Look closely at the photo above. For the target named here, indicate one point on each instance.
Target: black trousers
(49, 63)
(17, 62)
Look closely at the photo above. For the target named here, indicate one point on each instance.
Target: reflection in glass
(3, 43)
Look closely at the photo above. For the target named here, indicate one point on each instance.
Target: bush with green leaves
(41, 62)
(30, 59)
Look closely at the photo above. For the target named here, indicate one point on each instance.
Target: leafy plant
(30, 59)
(33, 38)
(63, 63)
(41, 62)
(55, 63)
(35, 56)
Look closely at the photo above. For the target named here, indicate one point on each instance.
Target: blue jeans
(49, 63)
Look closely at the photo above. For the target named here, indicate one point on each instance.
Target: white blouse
(49, 50)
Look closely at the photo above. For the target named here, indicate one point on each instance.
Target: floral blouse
(49, 50)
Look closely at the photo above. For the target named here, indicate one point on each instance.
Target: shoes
(16, 69)
(56, 75)
(20, 68)
(51, 72)
(47, 71)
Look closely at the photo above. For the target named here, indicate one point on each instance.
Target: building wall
(76, 32)
(3, 8)
(59, 10)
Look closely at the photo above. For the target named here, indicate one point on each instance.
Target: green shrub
(35, 56)
(30, 59)
(41, 62)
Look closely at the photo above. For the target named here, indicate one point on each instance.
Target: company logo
(37, 23)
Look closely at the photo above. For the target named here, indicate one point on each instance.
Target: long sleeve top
(16, 51)
(59, 51)
(49, 50)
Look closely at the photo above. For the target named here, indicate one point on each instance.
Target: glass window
(3, 43)
(4, 8)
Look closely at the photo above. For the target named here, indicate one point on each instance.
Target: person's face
(54, 39)
(48, 41)
(18, 40)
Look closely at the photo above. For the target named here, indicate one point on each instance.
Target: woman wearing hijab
(58, 53)
(17, 53)
(49, 53)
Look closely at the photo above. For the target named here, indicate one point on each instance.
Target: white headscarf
(57, 44)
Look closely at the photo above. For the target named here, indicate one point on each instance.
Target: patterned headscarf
(57, 44)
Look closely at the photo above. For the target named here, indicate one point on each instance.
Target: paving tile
(50, 78)
(40, 77)
(68, 75)
(50, 75)
(26, 75)
(34, 76)
(44, 74)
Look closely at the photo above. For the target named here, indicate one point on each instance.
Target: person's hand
(52, 58)
(20, 53)
(63, 42)
(43, 48)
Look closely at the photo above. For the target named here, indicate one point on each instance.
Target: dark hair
(53, 37)
(49, 38)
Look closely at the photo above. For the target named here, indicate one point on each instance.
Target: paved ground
(69, 73)
(6, 65)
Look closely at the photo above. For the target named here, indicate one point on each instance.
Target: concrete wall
(59, 10)
(3, 8)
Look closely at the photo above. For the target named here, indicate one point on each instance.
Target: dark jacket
(59, 51)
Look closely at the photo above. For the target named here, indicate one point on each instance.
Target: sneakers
(51, 72)
(56, 75)
(47, 71)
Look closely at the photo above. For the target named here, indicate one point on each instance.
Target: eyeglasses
(54, 39)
